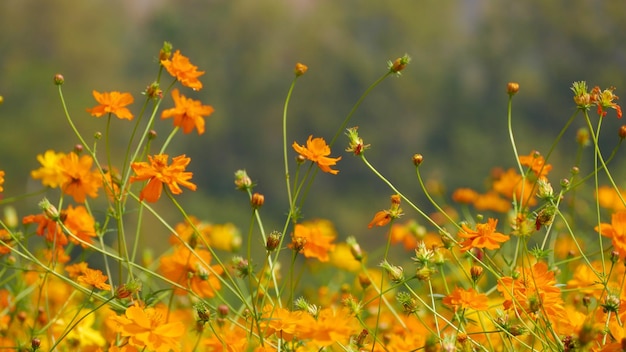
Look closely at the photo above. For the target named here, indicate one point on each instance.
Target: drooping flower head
(180, 68)
(157, 172)
(112, 103)
(317, 151)
(187, 113)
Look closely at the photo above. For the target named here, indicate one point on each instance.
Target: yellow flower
(317, 151)
(342, 258)
(157, 173)
(112, 103)
(50, 172)
(188, 113)
(148, 329)
(181, 69)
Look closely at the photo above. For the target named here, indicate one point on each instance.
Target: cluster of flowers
(541, 285)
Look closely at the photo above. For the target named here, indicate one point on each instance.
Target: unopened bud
(476, 271)
(364, 281)
(394, 272)
(417, 159)
(78, 148)
(49, 210)
(58, 79)
(621, 133)
(35, 343)
(399, 64)
(512, 88)
(273, 240)
(166, 51)
(300, 69)
(152, 134)
(257, 200)
(242, 181)
(355, 248)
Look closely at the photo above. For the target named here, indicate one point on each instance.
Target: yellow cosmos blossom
(181, 69)
(317, 151)
(146, 328)
(50, 173)
(187, 113)
(157, 173)
(112, 103)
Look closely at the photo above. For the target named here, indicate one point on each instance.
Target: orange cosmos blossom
(461, 299)
(190, 269)
(187, 113)
(157, 173)
(536, 163)
(181, 69)
(314, 239)
(1, 180)
(112, 103)
(317, 151)
(79, 181)
(485, 236)
(147, 328)
(616, 230)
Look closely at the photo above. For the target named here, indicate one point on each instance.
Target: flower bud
(97, 135)
(273, 240)
(152, 134)
(395, 273)
(10, 216)
(399, 64)
(242, 181)
(364, 281)
(476, 271)
(58, 79)
(300, 69)
(257, 200)
(35, 343)
(154, 91)
(621, 133)
(355, 248)
(582, 137)
(78, 148)
(166, 51)
(1, 99)
(512, 88)
(417, 159)
(49, 210)
(222, 310)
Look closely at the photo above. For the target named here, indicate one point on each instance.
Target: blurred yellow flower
(50, 172)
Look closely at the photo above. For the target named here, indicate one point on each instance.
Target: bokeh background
(449, 104)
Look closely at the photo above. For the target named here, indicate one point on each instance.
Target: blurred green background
(449, 104)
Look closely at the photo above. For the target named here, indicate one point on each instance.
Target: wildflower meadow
(527, 261)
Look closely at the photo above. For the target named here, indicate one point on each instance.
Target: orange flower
(604, 100)
(189, 269)
(148, 329)
(50, 172)
(616, 230)
(80, 224)
(383, 217)
(188, 113)
(314, 239)
(537, 163)
(76, 270)
(330, 326)
(510, 184)
(94, 278)
(78, 179)
(608, 198)
(181, 69)
(534, 291)
(48, 228)
(112, 103)
(283, 322)
(485, 236)
(492, 201)
(1, 181)
(300, 69)
(5, 246)
(464, 195)
(317, 151)
(464, 299)
(157, 173)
